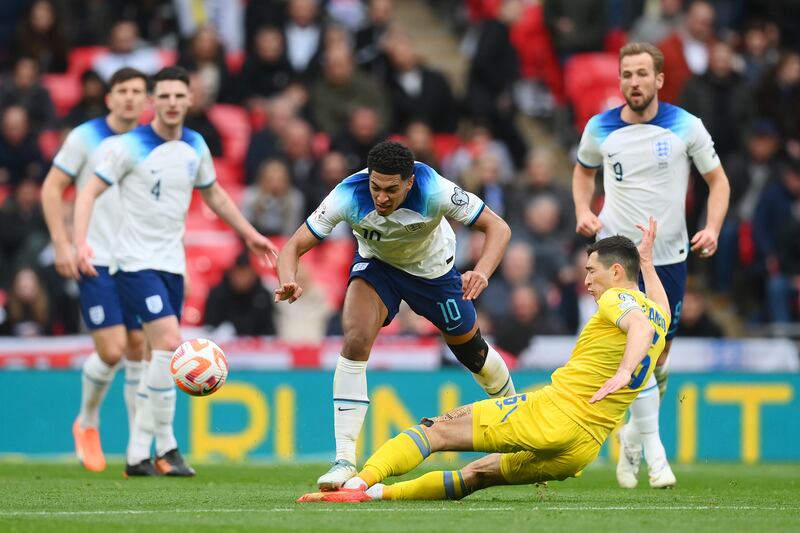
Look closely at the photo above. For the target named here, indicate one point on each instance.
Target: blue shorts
(151, 294)
(440, 300)
(673, 278)
(101, 305)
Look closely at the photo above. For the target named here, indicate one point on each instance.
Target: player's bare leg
(362, 318)
(486, 365)
(97, 374)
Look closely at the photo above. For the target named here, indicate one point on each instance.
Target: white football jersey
(415, 237)
(156, 178)
(646, 172)
(83, 149)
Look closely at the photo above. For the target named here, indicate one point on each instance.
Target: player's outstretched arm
(638, 340)
(719, 193)
(582, 192)
(494, 246)
(53, 189)
(220, 202)
(653, 287)
(299, 243)
(84, 204)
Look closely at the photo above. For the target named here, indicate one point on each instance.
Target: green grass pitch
(62, 497)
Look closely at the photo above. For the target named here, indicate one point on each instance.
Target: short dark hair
(124, 74)
(617, 249)
(391, 157)
(175, 73)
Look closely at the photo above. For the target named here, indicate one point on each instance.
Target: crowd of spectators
(319, 82)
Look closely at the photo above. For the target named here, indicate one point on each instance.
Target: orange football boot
(338, 496)
(88, 448)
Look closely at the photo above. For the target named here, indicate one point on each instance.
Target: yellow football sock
(440, 485)
(397, 456)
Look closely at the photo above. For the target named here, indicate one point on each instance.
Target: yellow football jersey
(596, 358)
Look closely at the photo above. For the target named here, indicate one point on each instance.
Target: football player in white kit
(83, 149)
(396, 209)
(645, 148)
(156, 167)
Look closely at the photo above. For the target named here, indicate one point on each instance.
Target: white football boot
(340, 472)
(630, 457)
(661, 476)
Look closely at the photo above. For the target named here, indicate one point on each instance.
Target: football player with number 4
(396, 208)
(645, 148)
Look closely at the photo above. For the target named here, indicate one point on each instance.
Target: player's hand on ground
(588, 224)
(705, 242)
(473, 283)
(617, 381)
(288, 291)
(264, 248)
(648, 238)
(65, 261)
(84, 255)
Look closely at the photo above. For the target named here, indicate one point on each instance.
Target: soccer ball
(199, 367)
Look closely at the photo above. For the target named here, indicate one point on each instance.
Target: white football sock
(644, 416)
(161, 389)
(133, 374)
(350, 403)
(494, 377)
(141, 437)
(95, 380)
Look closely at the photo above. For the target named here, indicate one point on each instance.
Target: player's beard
(641, 107)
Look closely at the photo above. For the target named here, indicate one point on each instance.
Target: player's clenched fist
(288, 291)
(588, 224)
(473, 283)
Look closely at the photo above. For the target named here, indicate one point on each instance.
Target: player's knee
(357, 345)
(110, 347)
(135, 348)
(483, 473)
(471, 354)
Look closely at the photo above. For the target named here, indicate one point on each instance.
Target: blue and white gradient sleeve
(117, 162)
(330, 212)
(701, 149)
(589, 154)
(456, 203)
(72, 155)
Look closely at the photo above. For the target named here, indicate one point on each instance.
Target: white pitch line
(381, 509)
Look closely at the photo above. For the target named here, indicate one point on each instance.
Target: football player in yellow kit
(553, 433)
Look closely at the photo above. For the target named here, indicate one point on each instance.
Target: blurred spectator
(24, 87)
(657, 25)
(758, 55)
(126, 50)
(517, 268)
(721, 99)
(92, 103)
(306, 320)
(542, 219)
(409, 323)
(341, 89)
(266, 70)
(260, 14)
(419, 139)
(348, 13)
(19, 152)
(576, 26)
(225, 16)
(369, 39)
(11, 12)
(362, 133)
(417, 91)
(686, 50)
(266, 142)
(27, 311)
(303, 31)
(205, 56)
(480, 141)
(197, 116)
(695, 320)
(41, 37)
(333, 169)
(298, 151)
(273, 205)
(525, 321)
(23, 233)
(484, 179)
(785, 288)
(778, 96)
(777, 208)
(242, 300)
(537, 179)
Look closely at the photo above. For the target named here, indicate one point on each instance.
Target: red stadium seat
(64, 89)
(234, 61)
(592, 84)
(80, 59)
(595, 101)
(233, 124)
(227, 172)
(49, 143)
(168, 57)
(444, 144)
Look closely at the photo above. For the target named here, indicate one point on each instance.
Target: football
(199, 367)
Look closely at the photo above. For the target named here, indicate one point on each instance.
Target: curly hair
(390, 157)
